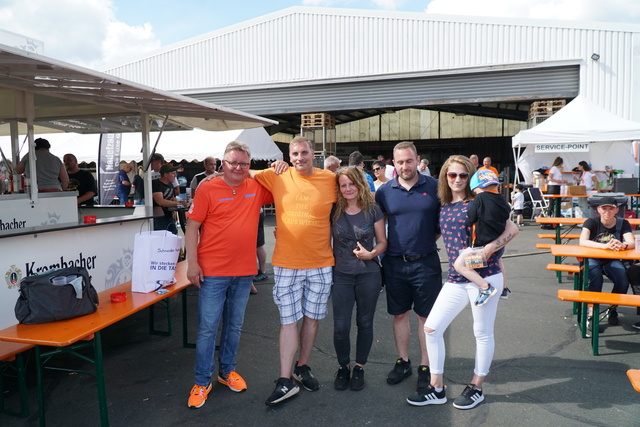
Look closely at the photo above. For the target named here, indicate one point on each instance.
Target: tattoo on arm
(500, 243)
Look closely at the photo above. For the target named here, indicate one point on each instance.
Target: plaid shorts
(302, 292)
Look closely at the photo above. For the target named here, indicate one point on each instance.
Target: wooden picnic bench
(66, 335)
(11, 359)
(595, 299)
(634, 377)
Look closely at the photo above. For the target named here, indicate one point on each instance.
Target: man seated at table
(607, 232)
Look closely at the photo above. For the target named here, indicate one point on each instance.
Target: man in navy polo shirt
(411, 264)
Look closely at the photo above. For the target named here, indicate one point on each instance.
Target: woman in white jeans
(456, 198)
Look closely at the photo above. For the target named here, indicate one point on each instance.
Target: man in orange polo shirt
(302, 261)
(220, 242)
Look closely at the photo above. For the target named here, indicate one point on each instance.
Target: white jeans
(452, 299)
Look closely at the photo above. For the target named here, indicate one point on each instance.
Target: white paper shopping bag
(155, 255)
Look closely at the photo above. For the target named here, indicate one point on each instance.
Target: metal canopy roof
(70, 98)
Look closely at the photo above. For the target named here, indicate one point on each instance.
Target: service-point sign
(564, 147)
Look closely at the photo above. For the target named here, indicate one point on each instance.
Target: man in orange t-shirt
(220, 241)
(302, 261)
(486, 164)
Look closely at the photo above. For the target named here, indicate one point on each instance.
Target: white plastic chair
(537, 202)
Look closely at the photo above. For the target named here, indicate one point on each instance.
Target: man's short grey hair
(332, 160)
(237, 146)
(425, 161)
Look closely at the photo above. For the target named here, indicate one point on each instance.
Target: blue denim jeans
(614, 271)
(123, 197)
(219, 298)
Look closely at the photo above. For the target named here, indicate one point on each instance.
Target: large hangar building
(452, 84)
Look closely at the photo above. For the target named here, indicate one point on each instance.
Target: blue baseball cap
(483, 178)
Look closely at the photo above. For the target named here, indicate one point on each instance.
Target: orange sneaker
(199, 395)
(234, 381)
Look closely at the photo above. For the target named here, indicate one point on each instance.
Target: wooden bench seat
(11, 360)
(596, 298)
(553, 236)
(569, 268)
(573, 270)
(588, 297)
(634, 377)
(9, 350)
(543, 245)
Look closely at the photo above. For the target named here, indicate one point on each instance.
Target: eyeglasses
(376, 169)
(463, 176)
(234, 165)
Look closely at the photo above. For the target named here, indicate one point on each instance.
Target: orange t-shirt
(492, 169)
(303, 207)
(229, 230)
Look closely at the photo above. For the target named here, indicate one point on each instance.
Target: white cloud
(123, 41)
(82, 32)
(583, 10)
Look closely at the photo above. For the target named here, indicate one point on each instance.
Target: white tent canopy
(174, 146)
(579, 131)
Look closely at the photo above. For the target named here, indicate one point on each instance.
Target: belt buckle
(410, 258)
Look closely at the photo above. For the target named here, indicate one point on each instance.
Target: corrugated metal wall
(299, 44)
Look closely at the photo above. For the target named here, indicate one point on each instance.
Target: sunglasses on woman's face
(376, 169)
(463, 176)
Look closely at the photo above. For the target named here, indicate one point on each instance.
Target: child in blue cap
(488, 215)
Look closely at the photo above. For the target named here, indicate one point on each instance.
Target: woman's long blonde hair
(364, 200)
(444, 192)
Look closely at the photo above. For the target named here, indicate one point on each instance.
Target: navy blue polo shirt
(412, 216)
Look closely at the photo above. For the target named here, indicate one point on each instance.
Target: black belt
(411, 258)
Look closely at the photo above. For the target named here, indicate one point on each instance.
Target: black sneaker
(636, 325)
(470, 398)
(399, 372)
(357, 378)
(261, 276)
(424, 377)
(285, 388)
(612, 319)
(303, 375)
(427, 396)
(342, 378)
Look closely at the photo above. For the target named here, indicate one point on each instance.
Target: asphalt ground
(543, 372)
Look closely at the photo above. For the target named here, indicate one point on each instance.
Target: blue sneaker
(484, 295)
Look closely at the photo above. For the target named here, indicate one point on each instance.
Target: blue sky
(102, 33)
(198, 17)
